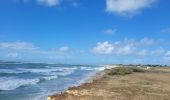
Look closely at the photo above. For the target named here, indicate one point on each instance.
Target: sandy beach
(152, 84)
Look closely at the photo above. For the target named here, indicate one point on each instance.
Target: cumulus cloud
(127, 7)
(17, 46)
(129, 47)
(64, 49)
(146, 41)
(110, 31)
(48, 2)
(103, 48)
(113, 48)
(124, 50)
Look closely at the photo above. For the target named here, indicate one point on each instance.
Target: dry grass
(150, 85)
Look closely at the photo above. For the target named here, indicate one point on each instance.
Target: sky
(85, 31)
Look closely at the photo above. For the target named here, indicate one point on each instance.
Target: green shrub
(120, 71)
(124, 70)
(135, 69)
(143, 82)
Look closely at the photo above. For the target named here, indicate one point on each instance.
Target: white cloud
(17, 46)
(167, 54)
(118, 48)
(64, 49)
(110, 31)
(166, 30)
(146, 41)
(127, 7)
(13, 55)
(143, 53)
(48, 2)
(113, 48)
(124, 50)
(129, 47)
(103, 48)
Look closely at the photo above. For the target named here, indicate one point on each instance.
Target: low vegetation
(135, 69)
(144, 82)
(124, 70)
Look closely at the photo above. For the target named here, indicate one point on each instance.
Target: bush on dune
(124, 70)
(135, 69)
(120, 71)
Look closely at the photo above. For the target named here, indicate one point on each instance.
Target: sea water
(35, 81)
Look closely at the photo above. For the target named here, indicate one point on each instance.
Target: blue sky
(85, 31)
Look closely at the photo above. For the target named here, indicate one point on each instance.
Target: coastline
(86, 82)
(90, 79)
(152, 84)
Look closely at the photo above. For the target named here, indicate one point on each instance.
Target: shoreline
(153, 84)
(88, 80)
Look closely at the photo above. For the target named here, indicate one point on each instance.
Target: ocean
(35, 81)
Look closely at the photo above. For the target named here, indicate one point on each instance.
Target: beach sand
(153, 84)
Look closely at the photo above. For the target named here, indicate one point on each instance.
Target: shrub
(135, 69)
(120, 71)
(124, 70)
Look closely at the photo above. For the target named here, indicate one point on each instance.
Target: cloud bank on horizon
(140, 49)
(82, 31)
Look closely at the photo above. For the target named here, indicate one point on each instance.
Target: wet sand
(149, 85)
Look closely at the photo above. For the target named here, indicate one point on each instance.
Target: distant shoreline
(105, 87)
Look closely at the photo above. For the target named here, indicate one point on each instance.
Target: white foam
(45, 70)
(9, 83)
(91, 68)
(39, 70)
(49, 77)
(101, 68)
(65, 73)
(12, 71)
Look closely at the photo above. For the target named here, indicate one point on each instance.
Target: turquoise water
(35, 81)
